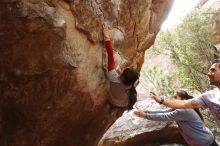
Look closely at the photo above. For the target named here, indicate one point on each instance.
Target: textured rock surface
(53, 90)
(130, 130)
(215, 38)
(215, 5)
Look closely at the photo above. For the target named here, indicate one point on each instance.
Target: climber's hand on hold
(105, 32)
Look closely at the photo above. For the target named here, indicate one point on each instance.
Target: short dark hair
(216, 61)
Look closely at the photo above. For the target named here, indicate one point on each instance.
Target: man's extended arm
(175, 104)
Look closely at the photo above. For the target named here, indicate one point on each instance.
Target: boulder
(53, 86)
(130, 130)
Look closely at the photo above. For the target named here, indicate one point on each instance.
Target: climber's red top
(111, 61)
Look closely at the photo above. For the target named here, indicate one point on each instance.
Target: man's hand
(155, 97)
(139, 113)
(105, 32)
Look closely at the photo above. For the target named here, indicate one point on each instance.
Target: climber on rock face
(122, 85)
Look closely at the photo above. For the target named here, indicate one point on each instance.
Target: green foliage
(161, 81)
(190, 51)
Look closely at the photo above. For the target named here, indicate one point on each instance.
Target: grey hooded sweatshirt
(191, 126)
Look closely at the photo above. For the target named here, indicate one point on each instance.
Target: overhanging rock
(53, 89)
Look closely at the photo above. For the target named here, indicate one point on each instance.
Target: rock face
(215, 37)
(130, 130)
(215, 5)
(53, 88)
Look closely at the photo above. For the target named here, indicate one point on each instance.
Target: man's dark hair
(216, 61)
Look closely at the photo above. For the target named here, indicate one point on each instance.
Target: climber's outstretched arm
(109, 48)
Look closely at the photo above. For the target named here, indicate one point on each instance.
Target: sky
(179, 10)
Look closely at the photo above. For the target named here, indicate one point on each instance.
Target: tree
(159, 80)
(189, 49)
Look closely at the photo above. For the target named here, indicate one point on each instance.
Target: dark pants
(214, 144)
